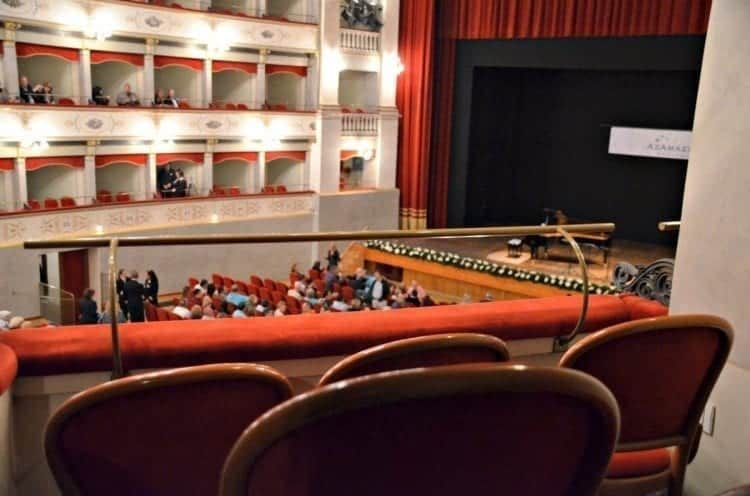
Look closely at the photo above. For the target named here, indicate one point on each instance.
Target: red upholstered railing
(8, 368)
(180, 343)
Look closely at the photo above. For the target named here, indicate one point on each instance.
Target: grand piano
(539, 244)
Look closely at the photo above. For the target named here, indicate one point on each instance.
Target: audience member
(122, 278)
(332, 277)
(237, 298)
(208, 313)
(333, 257)
(196, 313)
(307, 308)
(294, 273)
(298, 291)
(25, 91)
(5, 316)
(171, 99)
(134, 297)
(377, 294)
(16, 322)
(106, 318)
(127, 98)
(338, 304)
(182, 310)
(180, 185)
(280, 309)
(159, 98)
(151, 288)
(98, 97)
(234, 310)
(88, 310)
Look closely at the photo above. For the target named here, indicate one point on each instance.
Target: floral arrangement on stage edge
(467, 263)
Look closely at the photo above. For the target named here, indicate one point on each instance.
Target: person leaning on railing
(127, 98)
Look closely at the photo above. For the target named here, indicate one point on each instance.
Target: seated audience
(234, 310)
(182, 310)
(208, 313)
(338, 304)
(106, 318)
(332, 277)
(159, 98)
(171, 100)
(237, 298)
(298, 291)
(280, 309)
(307, 308)
(5, 316)
(294, 273)
(196, 313)
(377, 294)
(25, 91)
(88, 309)
(127, 98)
(98, 97)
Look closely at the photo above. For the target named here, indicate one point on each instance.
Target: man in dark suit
(87, 305)
(134, 292)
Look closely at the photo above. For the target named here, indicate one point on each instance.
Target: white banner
(642, 142)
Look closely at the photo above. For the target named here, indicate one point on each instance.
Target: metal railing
(359, 124)
(359, 40)
(672, 225)
(57, 305)
(568, 232)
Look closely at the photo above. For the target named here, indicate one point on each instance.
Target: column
(148, 71)
(260, 79)
(262, 7)
(89, 174)
(208, 92)
(389, 54)
(330, 56)
(312, 82)
(10, 61)
(21, 186)
(208, 166)
(325, 153)
(311, 10)
(149, 181)
(387, 151)
(84, 68)
(261, 171)
(9, 186)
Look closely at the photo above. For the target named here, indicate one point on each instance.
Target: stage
(561, 259)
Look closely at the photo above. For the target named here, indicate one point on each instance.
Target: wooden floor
(561, 260)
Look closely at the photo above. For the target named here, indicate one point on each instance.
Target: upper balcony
(287, 25)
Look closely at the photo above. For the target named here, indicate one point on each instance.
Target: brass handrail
(566, 232)
(673, 225)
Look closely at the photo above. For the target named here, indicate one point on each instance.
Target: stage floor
(561, 259)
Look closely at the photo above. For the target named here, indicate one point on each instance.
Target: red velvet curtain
(421, 165)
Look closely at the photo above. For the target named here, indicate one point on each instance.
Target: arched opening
(292, 10)
(111, 71)
(120, 178)
(183, 76)
(53, 68)
(234, 85)
(286, 169)
(170, 165)
(285, 87)
(50, 179)
(235, 173)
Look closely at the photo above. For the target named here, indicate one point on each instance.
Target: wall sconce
(367, 154)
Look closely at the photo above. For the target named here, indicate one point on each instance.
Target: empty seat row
(63, 202)
(438, 415)
(105, 196)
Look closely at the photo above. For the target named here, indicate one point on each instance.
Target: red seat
(67, 201)
(188, 419)
(256, 280)
(276, 297)
(34, 204)
(265, 294)
(281, 287)
(150, 311)
(320, 286)
(293, 277)
(104, 196)
(183, 105)
(474, 430)
(123, 197)
(281, 188)
(267, 189)
(173, 316)
(66, 101)
(219, 191)
(242, 287)
(161, 314)
(348, 293)
(228, 282)
(230, 106)
(269, 284)
(234, 191)
(423, 351)
(313, 274)
(193, 282)
(217, 280)
(51, 203)
(628, 464)
(292, 305)
(216, 303)
(242, 106)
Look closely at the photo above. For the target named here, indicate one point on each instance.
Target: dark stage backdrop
(539, 139)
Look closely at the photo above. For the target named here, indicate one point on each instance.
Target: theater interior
(403, 247)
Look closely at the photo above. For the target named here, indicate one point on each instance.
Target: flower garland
(483, 266)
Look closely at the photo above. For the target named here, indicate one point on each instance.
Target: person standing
(122, 278)
(87, 305)
(134, 292)
(152, 288)
(333, 257)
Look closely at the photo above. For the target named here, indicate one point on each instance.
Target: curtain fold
(429, 30)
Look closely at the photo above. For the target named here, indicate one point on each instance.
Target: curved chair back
(661, 371)
(423, 351)
(164, 433)
(67, 201)
(473, 429)
(51, 203)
